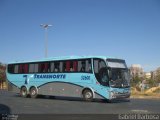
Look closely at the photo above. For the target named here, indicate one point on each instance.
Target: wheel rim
(88, 95)
(33, 92)
(23, 92)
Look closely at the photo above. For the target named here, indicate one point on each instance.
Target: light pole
(45, 26)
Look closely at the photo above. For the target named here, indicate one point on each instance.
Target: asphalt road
(14, 104)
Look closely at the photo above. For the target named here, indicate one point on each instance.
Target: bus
(87, 77)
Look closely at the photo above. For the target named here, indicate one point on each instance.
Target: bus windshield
(119, 77)
(118, 73)
(114, 74)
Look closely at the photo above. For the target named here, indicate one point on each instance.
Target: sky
(127, 29)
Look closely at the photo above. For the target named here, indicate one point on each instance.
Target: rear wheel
(33, 92)
(23, 92)
(87, 95)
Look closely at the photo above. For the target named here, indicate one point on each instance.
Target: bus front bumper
(114, 95)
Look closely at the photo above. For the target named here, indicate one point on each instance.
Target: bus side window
(47, 67)
(52, 67)
(31, 68)
(71, 66)
(25, 68)
(10, 68)
(101, 64)
(36, 68)
(60, 66)
(64, 66)
(96, 69)
(21, 68)
(88, 66)
(67, 66)
(56, 69)
(75, 66)
(96, 66)
(42, 67)
(81, 66)
(16, 68)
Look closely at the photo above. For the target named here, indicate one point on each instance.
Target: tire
(33, 92)
(23, 92)
(108, 101)
(88, 95)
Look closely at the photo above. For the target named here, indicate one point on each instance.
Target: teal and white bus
(88, 77)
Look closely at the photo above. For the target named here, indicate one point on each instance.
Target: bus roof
(62, 58)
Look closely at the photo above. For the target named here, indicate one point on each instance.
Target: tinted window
(31, 68)
(101, 72)
(52, 67)
(15, 68)
(102, 64)
(26, 68)
(61, 67)
(75, 66)
(70, 66)
(88, 66)
(11, 68)
(84, 65)
(35, 68)
(42, 67)
(23, 68)
(56, 66)
(98, 65)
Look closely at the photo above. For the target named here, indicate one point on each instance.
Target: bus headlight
(112, 94)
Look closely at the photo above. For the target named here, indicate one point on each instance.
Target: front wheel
(23, 92)
(87, 95)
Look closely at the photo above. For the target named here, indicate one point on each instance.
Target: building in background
(158, 76)
(148, 75)
(153, 75)
(136, 70)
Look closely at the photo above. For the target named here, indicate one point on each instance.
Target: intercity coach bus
(88, 77)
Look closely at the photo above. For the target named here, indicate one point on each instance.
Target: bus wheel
(33, 92)
(23, 92)
(87, 95)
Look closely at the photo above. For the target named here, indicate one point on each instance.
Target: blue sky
(128, 29)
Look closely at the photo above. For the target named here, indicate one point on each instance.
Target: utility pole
(45, 26)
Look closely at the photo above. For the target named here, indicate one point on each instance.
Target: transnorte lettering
(56, 76)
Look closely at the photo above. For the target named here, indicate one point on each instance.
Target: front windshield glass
(118, 73)
(114, 73)
(119, 77)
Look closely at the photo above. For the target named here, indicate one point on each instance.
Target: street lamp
(45, 26)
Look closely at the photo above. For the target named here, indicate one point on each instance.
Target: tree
(157, 79)
(2, 74)
(151, 82)
(135, 81)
